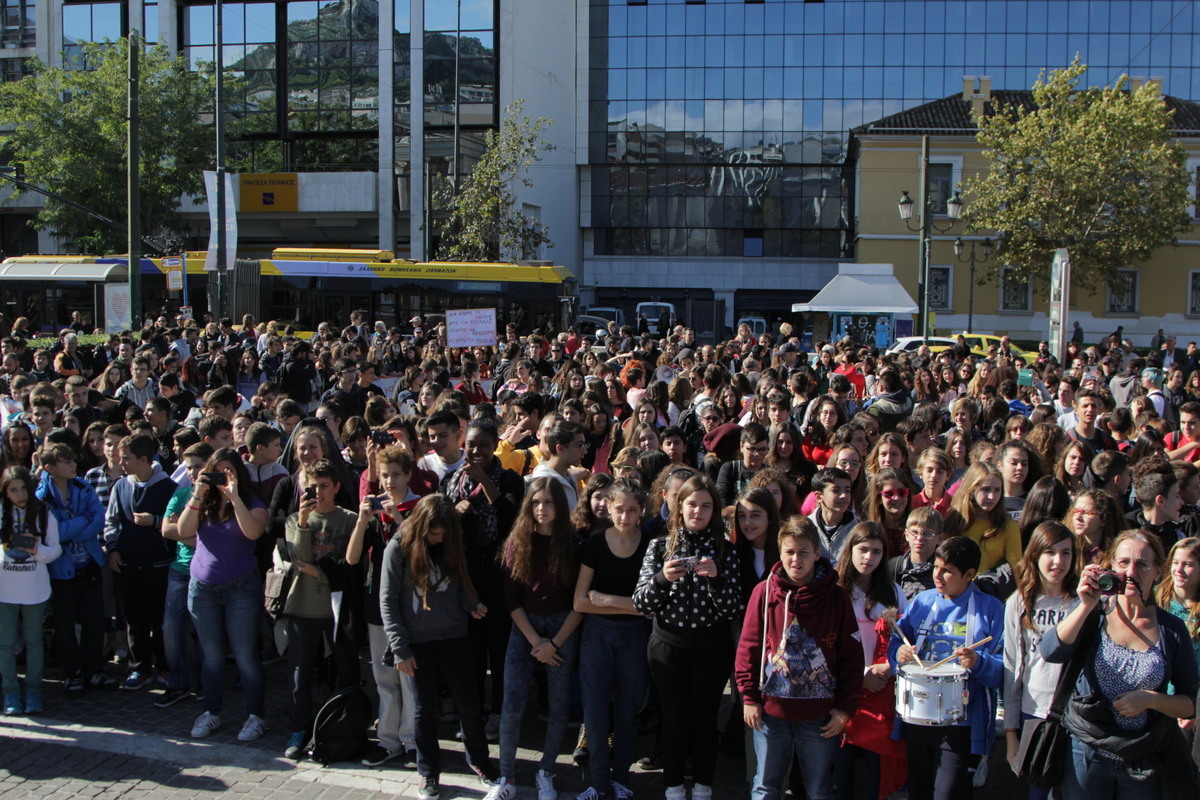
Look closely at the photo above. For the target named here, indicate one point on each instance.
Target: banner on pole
(210, 190)
(1060, 299)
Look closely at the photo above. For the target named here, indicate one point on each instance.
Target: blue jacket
(949, 628)
(80, 522)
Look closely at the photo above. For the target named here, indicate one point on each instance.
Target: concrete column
(385, 184)
(416, 118)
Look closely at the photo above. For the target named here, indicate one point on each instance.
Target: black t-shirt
(615, 576)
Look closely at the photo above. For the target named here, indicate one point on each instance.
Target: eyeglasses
(1122, 564)
(584, 446)
(918, 533)
(842, 463)
(893, 494)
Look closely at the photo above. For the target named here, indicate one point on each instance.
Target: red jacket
(799, 655)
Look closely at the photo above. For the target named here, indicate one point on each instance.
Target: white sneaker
(205, 724)
(491, 728)
(981, 774)
(701, 792)
(545, 785)
(503, 790)
(676, 793)
(252, 730)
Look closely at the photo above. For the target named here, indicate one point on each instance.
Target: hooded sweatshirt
(889, 409)
(80, 518)
(800, 654)
(406, 618)
(140, 546)
(833, 537)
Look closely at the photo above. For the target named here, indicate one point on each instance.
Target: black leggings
(691, 683)
(940, 763)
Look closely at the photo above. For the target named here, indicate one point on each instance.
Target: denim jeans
(773, 747)
(519, 665)
(397, 705)
(25, 620)
(850, 760)
(1092, 776)
(612, 669)
(229, 611)
(79, 600)
(177, 624)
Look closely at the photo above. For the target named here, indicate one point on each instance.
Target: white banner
(116, 307)
(1060, 302)
(471, 327)
(231, 237)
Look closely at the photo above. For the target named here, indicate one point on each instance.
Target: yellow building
(1161, 293)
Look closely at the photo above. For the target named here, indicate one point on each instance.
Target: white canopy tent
(861, 289)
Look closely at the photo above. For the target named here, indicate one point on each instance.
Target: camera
(689, 562)
(1111, 583)
(383, 438)
(215, 478)
(376, 503)
(310, 493)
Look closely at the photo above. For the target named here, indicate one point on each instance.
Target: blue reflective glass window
(197, 24)
(1015, 50)
(773, 48)
(773, 82)
(693, 80)
(893, 82)
(1036, 19)
(753, 81)
(873, 19)
(754, 16)
(656, 84)
(714, 20)
(734, 50)
(1160, 14)
(814, 113)
(976, 19)
(674, 49)
(676, 120)
(656, 52)
(1057, 16)
(735, 17)
(1118, 16)
(656, 20)
(714, 83)
(1180, 52)
(813, 50)
(694, 52)
(752, 53)
(618, 84)
(833, 51)
(914, 17)
(814, 82)
(873, 50)
(793, 50)
(914, 50)
(793, 17)
(675, 83)
(934, 86)
(637, 84)
(733, 116)
(676, 19)
(834, 18)
(693, 17)
(772, 115)
(873, 82)
(618, 21)
(1035, 49)
(618, 52)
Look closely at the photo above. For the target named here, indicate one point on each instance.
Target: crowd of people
(878, 556)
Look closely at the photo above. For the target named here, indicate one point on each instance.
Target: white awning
(55, 271)
(861, 289)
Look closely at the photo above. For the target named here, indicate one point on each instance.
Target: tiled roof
(952, 115)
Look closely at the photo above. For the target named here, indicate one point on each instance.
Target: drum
(936, 696)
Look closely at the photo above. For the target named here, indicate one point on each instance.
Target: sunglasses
(893, 494)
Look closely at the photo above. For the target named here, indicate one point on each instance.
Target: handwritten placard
(471, 327)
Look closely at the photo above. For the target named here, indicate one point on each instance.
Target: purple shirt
(223, 554)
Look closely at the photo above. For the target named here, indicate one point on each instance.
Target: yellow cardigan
(1003, 546)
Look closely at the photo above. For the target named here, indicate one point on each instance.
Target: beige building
(1161, 293)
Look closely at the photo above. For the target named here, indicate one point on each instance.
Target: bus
(301, 287)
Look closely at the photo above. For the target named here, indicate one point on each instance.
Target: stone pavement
(118, 745)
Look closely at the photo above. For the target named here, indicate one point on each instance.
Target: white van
(757, 325)
(653, 313)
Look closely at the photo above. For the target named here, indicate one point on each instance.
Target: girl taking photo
(28, 543)
(689, 585)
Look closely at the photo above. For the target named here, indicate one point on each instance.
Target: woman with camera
(225, 594)
(1125, 738)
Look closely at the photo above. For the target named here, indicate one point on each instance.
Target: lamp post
(925, 226)
(972, 260)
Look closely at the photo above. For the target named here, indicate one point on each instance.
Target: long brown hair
(35, 509)
(1165, 592)
(716, 526)
(213, 506)
(875, 510)
(1029, 577)
(518, 550)
(880, 589)
(434, 511)
(962, 508)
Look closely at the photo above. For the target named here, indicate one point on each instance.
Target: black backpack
(340, 728)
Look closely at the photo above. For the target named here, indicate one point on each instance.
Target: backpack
(340, 728)
(689, 420)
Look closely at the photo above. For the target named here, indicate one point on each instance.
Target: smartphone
(215, 478)
(377, 504)
(384, 438)
(24, 541)
(310, 493)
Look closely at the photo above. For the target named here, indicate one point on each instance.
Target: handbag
(277, 583)
(1042, 752)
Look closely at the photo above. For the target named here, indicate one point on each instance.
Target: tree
(66, 132)
(1094, 170)
(485, 221)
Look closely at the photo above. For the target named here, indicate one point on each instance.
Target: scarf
(486, 530)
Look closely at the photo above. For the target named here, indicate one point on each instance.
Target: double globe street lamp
(926, 226)
(972, 260)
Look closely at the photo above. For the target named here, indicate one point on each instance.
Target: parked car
(653, 312)
(985, 341)
(910, 344)
(607, 313)
(590, 325)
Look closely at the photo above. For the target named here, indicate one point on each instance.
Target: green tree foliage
(1094, 170)
(66, 130)
(486, 222)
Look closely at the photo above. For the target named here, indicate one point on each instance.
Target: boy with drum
(932, 653)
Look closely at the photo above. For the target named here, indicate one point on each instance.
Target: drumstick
(969, 647)
(904, 639)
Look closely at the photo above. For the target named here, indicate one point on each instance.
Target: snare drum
(936, 696)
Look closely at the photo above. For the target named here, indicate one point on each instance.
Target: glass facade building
(718, 128)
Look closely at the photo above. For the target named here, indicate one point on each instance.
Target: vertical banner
(116, 307)
(1060, 301)
(210, 190)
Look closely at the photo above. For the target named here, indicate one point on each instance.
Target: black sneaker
(487, 773)
(170, 697)
(378, 755)
(74, 684)
(101, 680)
(407, 759)
(580, 754)
(429, 789)
(651, 763)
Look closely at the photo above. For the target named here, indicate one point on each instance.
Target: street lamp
(972, 260)
(925, 226)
